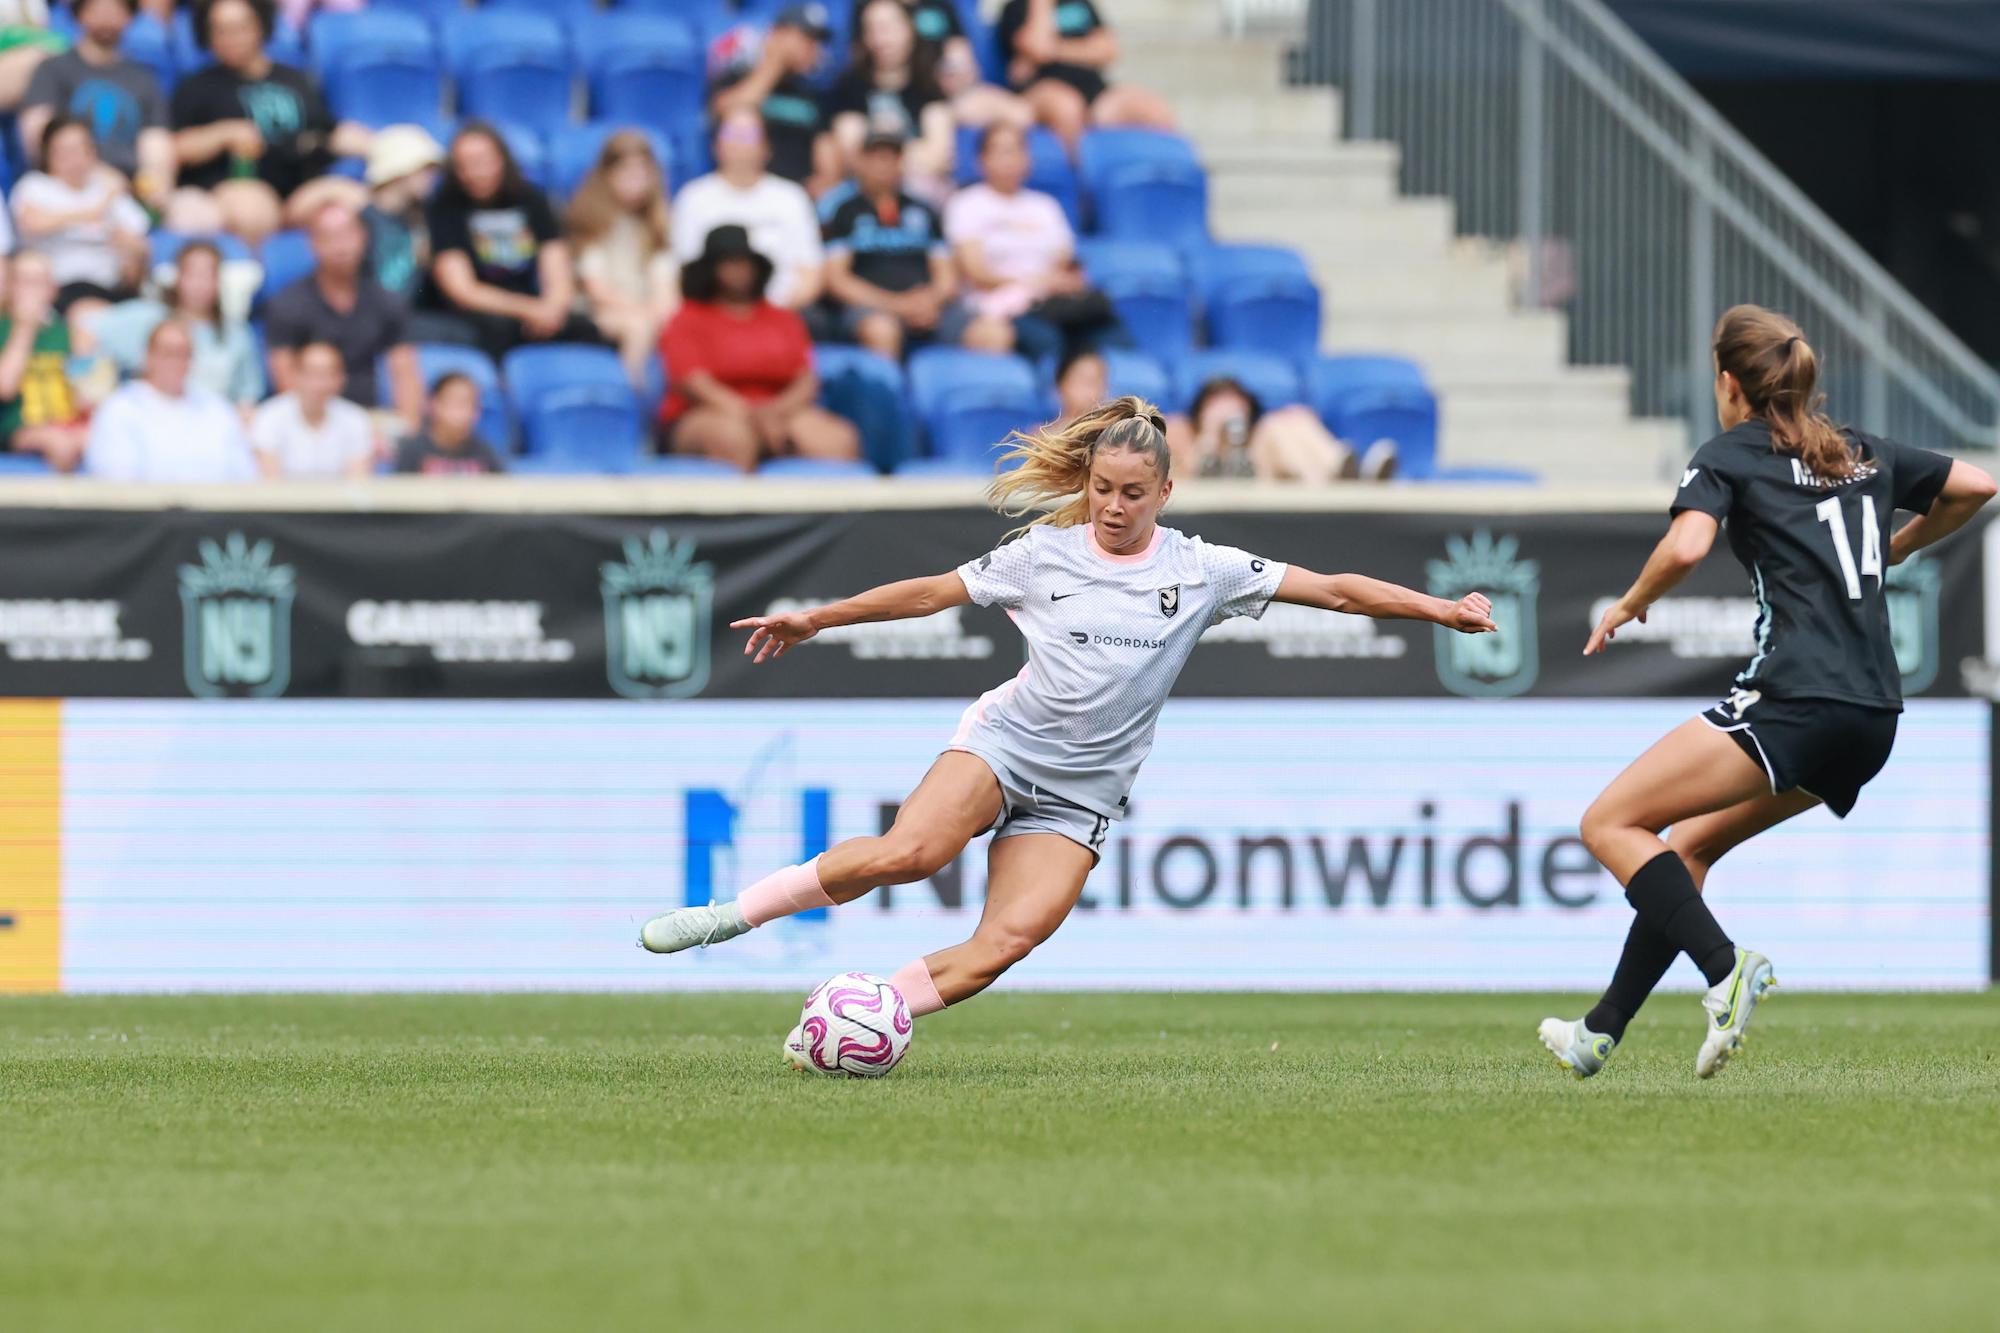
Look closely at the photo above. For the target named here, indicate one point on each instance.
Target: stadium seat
(643, 68)
(573, 151)
(943, 468)
(1363, 399)
(575, 401)
(1127, 372)
(15, 467)
(1146, 284)
(149, 44)
(1271, 378)
(287, 256)
(433, 12)
(1049, 169)
(1479, 474)
(385, 89)
(1257, 297)
(969, 401)
(530, 152)
(816, 469)
(685, 466)
(569, 9)
(510, 65)
(435, 360)
(166, 246)
(1145, 184)
(335, 38)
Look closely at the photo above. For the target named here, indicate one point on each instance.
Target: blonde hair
(594, 210)
(1055, 460)
(1779, 373)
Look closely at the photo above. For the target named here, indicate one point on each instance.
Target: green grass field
(1155, 1162)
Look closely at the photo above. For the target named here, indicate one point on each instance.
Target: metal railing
(1637, 210)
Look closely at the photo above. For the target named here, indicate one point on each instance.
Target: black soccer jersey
(1816, 552)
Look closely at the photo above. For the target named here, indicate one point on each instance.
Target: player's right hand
(1607, 629)
(771, 635)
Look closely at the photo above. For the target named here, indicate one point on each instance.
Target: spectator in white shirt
(164, 429)
(778, 214)
(81, 215)
(312, 431)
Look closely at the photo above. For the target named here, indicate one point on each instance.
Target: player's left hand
(1473, 614)
(1607, 629)
(771, 635)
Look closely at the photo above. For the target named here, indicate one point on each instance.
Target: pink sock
(783, 892)
(919, 991)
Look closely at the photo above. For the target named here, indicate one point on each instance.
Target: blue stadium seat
(1363, 399)
(385, 89)
(685, 466)
(943, 468)
(1146, 284)
(335, 38)
(1258, 297)
(569, 9)
(433, 12)
(573, 151)
(644, 68)
(435, 360)
(1049, 169)
(15, 467)
(816, 469)
(149, 44)
(530, 151)
(1128, 372)
(576, 402)
(1272, 379)
(286, 46)
(1145, 184)
(1481, 474)
(969, 401)
(165, 246)
(511, 65)
(287, 256)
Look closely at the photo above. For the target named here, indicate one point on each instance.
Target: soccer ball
(854, 1024)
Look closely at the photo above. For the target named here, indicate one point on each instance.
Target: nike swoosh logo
(1687, 477)
(1058, 596)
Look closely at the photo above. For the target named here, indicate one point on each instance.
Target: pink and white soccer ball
(855, 1024)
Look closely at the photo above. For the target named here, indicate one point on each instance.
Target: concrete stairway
(1394, 275)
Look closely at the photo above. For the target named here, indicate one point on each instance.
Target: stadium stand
(1161, 220)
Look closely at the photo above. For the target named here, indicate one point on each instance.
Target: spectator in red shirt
(741, 368)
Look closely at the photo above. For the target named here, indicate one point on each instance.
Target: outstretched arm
(1687, 541)
(910, 599)
(1966, 488)
(1361, 596)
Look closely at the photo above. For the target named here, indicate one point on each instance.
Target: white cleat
(692, 928)
(1575, 1047)
(1730, 1003)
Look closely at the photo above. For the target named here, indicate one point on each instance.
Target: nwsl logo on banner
(1489, 665)
(658, 603)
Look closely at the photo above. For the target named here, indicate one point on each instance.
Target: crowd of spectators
(832, 214)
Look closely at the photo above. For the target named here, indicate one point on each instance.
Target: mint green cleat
(1576, 1047)
(692, 928)
(1730, 1003)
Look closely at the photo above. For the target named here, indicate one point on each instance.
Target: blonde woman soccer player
(1111, 604)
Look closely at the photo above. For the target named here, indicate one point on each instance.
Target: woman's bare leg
(1032, 882)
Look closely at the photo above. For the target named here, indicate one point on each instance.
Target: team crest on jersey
(1170, 601)
(1911, 593)
(1488, 666)
(236, 609)
(658, 602)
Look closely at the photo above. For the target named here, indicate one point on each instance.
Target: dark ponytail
(1779, 374)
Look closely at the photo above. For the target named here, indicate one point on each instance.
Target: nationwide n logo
(1489, 666)
(237, 620)
(658, 604)
(1911, 592)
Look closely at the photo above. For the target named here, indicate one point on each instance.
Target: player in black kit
(1808, 507)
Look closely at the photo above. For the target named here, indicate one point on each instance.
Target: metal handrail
(1553, 126)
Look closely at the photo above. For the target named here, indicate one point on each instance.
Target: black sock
(1647, 956)
(1664, 896)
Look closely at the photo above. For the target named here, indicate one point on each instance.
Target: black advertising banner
(522, 605)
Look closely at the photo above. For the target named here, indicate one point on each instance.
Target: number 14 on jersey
(1871, 543)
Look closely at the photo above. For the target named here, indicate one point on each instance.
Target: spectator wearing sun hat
(402, 169)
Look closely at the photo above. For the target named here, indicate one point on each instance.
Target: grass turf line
(1092, 1162)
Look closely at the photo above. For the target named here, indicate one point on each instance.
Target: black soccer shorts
(1824, 747)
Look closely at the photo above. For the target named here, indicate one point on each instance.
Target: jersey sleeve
(1002, 577)
(1916, 476)
(1706, 484)
(1243, 584)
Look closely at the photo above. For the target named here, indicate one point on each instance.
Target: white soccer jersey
(1107, 637)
